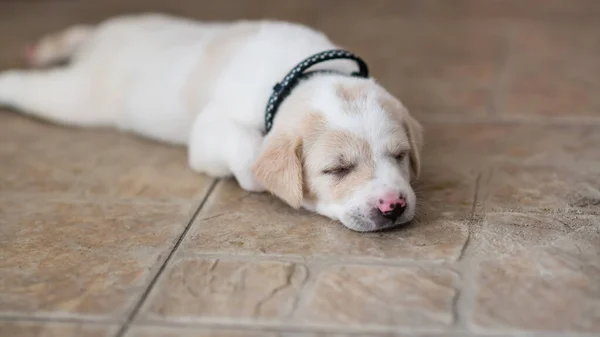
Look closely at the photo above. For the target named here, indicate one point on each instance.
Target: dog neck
(299, 73)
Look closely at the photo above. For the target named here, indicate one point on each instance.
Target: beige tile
(154, 331)
(213, 289)
(466, 53)
(537, 93)
(437, 100)
(445, 189)
(407, 50)
(382, 9)
(509, 234)
(49, 329)
(37, 157)
(484, 145)
(305, 12)
(556, 41)
(517, 166)
(352, 296)
(441, 69)
(515, 187)
(437, 10)
(511, 9)
(537, 272)
(82, 258)
(551, 89)
(235, 222)
(51, 15)
(554, 289)
(266, 292)
(553, 71)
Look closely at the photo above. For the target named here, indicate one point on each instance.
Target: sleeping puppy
(339, 145)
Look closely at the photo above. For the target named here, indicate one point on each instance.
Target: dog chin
(359, 219)
(372, 221)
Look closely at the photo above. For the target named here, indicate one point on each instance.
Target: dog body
(340, 146)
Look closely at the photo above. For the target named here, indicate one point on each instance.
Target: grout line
(252, 325)
(459, 296)
(321, 261)
(338, 328)
(464, 299)
(57, 319)
(488, 175)
(463, 250)
(476, 195)
(465, 303)
(297, 328)
(83, 199)
(472, 219)
(121, 332)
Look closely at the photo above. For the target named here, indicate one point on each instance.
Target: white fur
(133, 72)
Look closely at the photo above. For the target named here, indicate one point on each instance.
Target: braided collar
(282, 89)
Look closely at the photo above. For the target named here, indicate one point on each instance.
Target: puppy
(339, 145)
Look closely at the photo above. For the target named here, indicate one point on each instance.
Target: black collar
(282, 89)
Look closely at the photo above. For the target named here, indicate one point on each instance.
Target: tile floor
(105, 234)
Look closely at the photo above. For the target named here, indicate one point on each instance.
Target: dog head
(344, 148)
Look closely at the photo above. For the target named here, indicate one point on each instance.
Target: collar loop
(282, 89)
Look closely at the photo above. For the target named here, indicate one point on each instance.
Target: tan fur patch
(354, 150)
(351, 183)
(312, 126)
(392, 107)
(414, 130)
(215, 57)
(351, 93)
(279, 168)
(351, 96)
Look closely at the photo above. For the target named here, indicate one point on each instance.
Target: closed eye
(339, 171)
(400, 155)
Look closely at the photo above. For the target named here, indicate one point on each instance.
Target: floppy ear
(279, 168)
(415, 138)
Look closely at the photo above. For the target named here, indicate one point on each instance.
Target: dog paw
(30, 55)
(249, 184)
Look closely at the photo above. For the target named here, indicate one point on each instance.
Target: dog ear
(414, 131)
(279, 168)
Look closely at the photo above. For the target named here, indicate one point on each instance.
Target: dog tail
(58, 47)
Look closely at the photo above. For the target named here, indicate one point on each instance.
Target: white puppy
(340, 145)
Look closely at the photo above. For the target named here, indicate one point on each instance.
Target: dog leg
(57, 95)
(57, 47)
(223, 148)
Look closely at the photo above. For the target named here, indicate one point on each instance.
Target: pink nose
(392, 206)
(389, 204)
